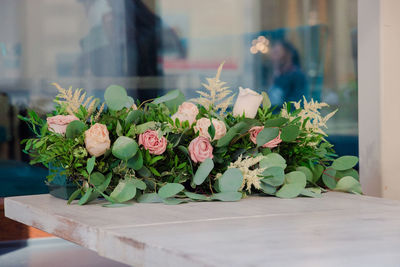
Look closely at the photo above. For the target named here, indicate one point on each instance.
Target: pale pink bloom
(200, 149)
(187, 111)
(58, 124)
(247, 102)
(97, 140)
(150, 141)
(203, 124)
(271, 144)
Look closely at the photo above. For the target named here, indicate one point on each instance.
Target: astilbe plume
(73, 100)
(218, 96)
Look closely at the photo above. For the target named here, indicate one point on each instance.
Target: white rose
(248, 101)
(203, 124)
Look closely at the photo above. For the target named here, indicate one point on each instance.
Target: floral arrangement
(171, 150)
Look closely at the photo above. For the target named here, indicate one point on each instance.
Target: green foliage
(230, 181)
(294, 184)
(266, 135)
(124, 148)
(116, 97)
(75, 129)
(344, 163)
(203, 171)
(170, 190)
(124, 191)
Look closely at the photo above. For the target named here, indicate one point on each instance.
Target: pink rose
(150, 141)
(203, 124)
(97, 140)
(186, 112)
(200, 149)
(271, 144)
(58, 124)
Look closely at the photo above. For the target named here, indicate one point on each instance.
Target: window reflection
(288, 48)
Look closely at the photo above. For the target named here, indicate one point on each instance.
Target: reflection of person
(289, 82)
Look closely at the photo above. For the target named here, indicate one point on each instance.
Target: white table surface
(336, 230)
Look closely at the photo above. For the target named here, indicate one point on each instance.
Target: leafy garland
(299, 163)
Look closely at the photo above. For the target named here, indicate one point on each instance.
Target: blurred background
(288, 48)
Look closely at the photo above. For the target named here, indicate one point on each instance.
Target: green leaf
(115, 97)
(97, 179)
(145, 126)
(227, 196)
(276, 176)
(307, 192)
(116, 205)
(74, 195)
(348, 184)
(227, 138)
(124, 148)
(124, 191)
(266, 102)
(119, 130)
(290, 133)
(103, 186)
(328, 177)
(307, 172)
(266, 135)
(231, 180)
(90, 164)
(277, 122)
(267, 188)
(139, 184)
(75, 129)
(344, 163)
(273, 160)
(295, 182)
(173, 201)
(149, 198)
(239, 128)
(133, 117)
(172, 100)
(85, 198)
(170, 189)
(317, 172)
(136, 162)
(203, 171)
(350, 172)
(167, 97)
(144, 172)
(196, 196)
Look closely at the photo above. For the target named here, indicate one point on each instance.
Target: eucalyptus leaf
(90, 164)
(309, 193)
(136, 162)
(328, 177)
(145, 126)
(124, 191)
(139, 184)
(124, 148)
(203, 171)
(196, 196)
(116, 205)
(276, 122)
(348, 184)
(149, 198)
(275, 176)
(273, 160)
(74, 195)
(344, 163)
(75, 129)
(231, 180)
(116, 97)
(173, 201)
(85, 198)
(227, 196)
(133, 117)
(350, 172)
(170, 190)
(266, 135)
(295, 182)
(266, 102)
(267, 188)
(307, 172)
(97, 178)
(289, 133)
(317, 172)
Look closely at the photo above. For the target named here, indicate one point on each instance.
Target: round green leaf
(75, 129)
(317, 172)
(296, 177)
(227, 196)
(203, 171)
(266, 135)
(90, 164)
(149, 198)
(274, 176)
(124, 191)
(170, 190)
(290, 133)
(289, 191)
(97, 178)
(196, 196)
(116, 97)
(136, 162)
(231, 180)
(124, 148)
(307, 172)
(273, 160)
(277, 122)
(267, 188)
(86, 197)
(309, 192)
(348, 184)
(344, 163)
(328, 177)
(350, 172)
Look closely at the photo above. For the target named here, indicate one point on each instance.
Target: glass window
(288, 48)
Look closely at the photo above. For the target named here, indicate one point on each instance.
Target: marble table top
(336, 230)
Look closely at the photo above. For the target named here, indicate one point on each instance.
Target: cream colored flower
(186, 112)
(97, 140)
(248, 102)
